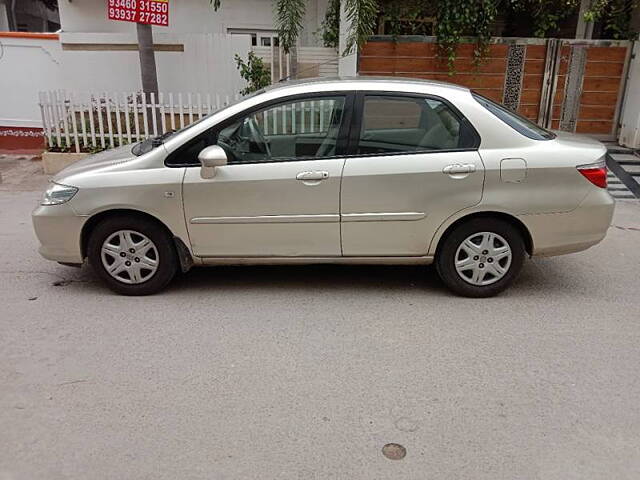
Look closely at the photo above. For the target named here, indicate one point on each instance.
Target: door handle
(312, 176)
(458, 168)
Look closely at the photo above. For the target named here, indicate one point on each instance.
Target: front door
(279, 193)
(414, 163)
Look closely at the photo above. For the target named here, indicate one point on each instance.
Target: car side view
(361, 170)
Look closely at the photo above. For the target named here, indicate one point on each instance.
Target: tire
(481, 257)
(108, 247)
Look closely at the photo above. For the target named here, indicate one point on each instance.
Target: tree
(454, 18)
(147, 55)
(148, 71)
(254, 71)
(362, 15)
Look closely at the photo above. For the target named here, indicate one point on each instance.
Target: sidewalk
(21, 173)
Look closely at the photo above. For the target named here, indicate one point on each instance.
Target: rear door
(413, 162)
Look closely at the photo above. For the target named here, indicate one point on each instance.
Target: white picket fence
(309, 116)
(97, 121)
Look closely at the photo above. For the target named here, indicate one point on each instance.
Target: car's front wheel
(481, 257)
(133, 256)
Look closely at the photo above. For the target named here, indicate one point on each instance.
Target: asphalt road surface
(307, 372)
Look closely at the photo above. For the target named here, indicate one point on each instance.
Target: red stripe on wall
(21, 140)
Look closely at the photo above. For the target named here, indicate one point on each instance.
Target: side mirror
(210, 158)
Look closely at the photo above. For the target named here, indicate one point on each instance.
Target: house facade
(194, 54)
(575, 84)
(247, 17)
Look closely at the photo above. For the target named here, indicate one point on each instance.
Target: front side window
(395, 124)
(520, 124)
(300, 129)
(288, 131)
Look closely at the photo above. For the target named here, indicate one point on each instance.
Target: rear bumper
(58, 229)
(574, 231)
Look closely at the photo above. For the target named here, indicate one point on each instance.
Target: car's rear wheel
(481, 257)
(133, 256)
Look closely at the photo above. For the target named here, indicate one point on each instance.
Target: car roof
(356, 82)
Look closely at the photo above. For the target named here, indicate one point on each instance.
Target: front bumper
(58, 229)
(574, 231)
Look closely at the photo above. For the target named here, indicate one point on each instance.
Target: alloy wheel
(129, 256)
(483, 258)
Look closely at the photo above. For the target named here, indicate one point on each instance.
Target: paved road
(306, 372)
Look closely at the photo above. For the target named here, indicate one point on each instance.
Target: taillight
(596, 173)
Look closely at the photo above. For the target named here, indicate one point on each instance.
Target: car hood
(107, 158)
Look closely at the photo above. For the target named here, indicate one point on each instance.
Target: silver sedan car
(364, 170)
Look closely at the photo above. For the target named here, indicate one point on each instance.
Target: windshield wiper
(145, 146)
(157, 141)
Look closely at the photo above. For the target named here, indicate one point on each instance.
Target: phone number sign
(152, 12)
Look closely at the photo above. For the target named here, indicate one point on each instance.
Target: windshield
(519, 123)
(145, 146)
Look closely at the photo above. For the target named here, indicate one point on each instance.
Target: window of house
(266, 41)
(394, 124)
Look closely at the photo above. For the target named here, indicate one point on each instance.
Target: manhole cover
(394, 451)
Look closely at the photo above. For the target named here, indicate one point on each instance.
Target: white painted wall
(25, 68)
(191, 16)
(629, 135)
(347, 65)
(29, 66)
(206, 65)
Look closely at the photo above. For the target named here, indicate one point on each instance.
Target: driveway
(307, 372)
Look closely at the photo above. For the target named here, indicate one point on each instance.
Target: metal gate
(584, 85)
(571, 85)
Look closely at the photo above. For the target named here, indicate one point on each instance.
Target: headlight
(57, 194)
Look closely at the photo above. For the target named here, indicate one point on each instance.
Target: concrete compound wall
(31, 63)
(91, 53)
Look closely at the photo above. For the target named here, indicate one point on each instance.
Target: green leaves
(254, 72)
(362, 16)
(452, 20)
(616, 16)
(289, 16)
(330, 28)
(456, 18)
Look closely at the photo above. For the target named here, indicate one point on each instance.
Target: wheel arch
(442, 234)
(184, 254)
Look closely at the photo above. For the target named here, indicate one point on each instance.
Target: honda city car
(361, 171)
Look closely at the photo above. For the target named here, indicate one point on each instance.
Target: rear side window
(520, 124)
(399, 124)
(397, 113)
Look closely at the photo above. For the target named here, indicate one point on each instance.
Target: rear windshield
(522, 125)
